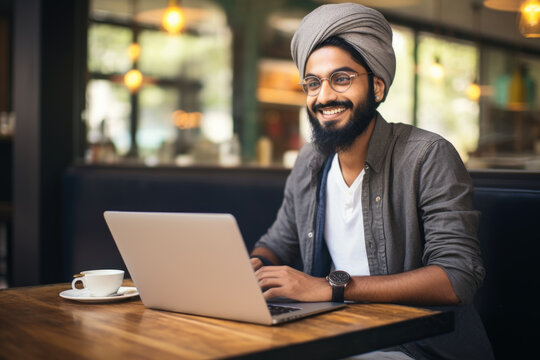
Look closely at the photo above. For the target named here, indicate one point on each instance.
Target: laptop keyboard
(278, 309)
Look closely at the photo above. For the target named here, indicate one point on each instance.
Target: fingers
(273, 285)
(288, 282)
(278, 281)
(274, 272)
(271, 282)
(256, 263)
(273, 293)
(270, 276)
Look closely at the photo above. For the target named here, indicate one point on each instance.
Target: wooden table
(37, 323)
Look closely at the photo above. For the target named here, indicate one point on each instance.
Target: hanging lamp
(173, 19)
(528, 12)
(436, 70)
(529, 19)
(133, 80)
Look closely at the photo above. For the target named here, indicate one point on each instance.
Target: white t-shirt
(344, 222)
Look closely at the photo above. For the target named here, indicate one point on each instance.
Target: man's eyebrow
(343, 68)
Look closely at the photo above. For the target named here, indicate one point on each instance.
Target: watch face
(339, 277)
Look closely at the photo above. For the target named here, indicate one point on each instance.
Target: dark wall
(252, 196)
(6, 153)
(45, 68)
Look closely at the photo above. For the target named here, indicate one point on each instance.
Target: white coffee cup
(99, 282)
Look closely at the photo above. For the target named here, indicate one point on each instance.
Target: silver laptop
(197, 264)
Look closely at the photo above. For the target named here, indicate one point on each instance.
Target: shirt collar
(378, 143)
(315, 164)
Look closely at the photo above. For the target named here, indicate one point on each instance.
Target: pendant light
(474, 90)
(133, 80)
(436, 70)
(134, 50)
(529, 14)
(529, 19)
(503, 5)
(173, 19)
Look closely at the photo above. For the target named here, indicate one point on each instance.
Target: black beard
(328, 139)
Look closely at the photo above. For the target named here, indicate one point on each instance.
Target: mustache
(346, 103)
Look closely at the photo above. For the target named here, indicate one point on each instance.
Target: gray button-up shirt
(416, 204)
(417, 211)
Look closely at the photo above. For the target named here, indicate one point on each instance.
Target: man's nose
(326, 94)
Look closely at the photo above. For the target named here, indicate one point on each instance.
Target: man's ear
(378, 87)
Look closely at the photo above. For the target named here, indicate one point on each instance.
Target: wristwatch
(338, 280)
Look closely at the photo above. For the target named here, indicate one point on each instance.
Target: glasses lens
(340, 81)
(311, 85)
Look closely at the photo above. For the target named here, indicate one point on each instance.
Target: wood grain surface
(35, 322)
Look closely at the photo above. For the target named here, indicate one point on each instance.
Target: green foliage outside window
(443, 105)
(107, 48)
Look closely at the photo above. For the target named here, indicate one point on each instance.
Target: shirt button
(378, 198)
(310, 234)
(366, 167)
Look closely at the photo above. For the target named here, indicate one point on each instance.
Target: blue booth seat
(509, 230)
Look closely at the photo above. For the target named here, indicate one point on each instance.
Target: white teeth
(334, 111)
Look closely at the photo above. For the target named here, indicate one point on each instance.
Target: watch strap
(338, 293)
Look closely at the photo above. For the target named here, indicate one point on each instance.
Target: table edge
(344, 345)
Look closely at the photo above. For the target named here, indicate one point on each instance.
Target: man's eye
(313, 84)
(341, 79)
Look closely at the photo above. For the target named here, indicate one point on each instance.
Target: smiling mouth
(333, 111)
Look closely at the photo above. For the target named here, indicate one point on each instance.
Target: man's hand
(288, 282)
(256, 263)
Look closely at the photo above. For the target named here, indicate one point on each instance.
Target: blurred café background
(93, 84)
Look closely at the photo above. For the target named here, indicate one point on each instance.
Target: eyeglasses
(340, 81)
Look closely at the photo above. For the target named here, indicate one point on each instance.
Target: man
(377, 212)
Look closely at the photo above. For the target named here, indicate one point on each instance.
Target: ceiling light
(529, 21)
(436, 70)
(134, 50)
(173, 19)
(474, 91)
(133, 80)
(503, 5)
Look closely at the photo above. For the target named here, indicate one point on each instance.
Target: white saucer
(84, 296)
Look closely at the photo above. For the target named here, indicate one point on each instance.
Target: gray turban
(364, 28)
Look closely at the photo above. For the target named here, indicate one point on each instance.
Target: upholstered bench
(509, 227)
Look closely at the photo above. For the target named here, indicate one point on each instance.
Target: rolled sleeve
(449, 220)
(281, 238)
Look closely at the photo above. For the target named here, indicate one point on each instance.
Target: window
(509, 126)
(185, 97)
(399, 104)
(482, 98)
(446, 68)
